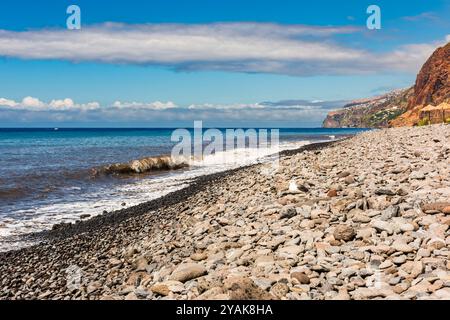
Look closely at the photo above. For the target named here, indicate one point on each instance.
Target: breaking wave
(144, 165)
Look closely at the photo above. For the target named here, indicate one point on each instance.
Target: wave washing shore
(160, 178)
(368, 218)
(52, 177)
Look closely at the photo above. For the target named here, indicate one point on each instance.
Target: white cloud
(69, 104)
(7, 102)
(34, 104)
(30, 102)
(447, 38)
(237, 106)
(171, 43)
(67, 110)
(156, 105)
(61, 104)
(407, 57)
(254, 106)
(90, 105)
(239, 47)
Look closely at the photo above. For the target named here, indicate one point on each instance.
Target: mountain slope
(370, 113)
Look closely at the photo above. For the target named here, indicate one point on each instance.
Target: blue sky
(166, 63)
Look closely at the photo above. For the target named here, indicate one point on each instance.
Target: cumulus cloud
(66, 111)
(68, 105)
(34, 104)
(238, 47)
(156, 105)
(30, 102)
(7, 102)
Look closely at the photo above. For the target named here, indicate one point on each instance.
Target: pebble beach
(366, 217)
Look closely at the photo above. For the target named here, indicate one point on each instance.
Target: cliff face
(400, 108)
(432, 87)
(433, 81)
(370, 113)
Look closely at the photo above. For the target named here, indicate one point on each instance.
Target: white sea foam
(140, 190)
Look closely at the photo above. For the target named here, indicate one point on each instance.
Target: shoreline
(129, 190)
(375, 201)
(105, 220)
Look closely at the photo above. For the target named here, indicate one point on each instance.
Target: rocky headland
(363, 218)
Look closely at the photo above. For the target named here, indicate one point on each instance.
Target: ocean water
(46, 175)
